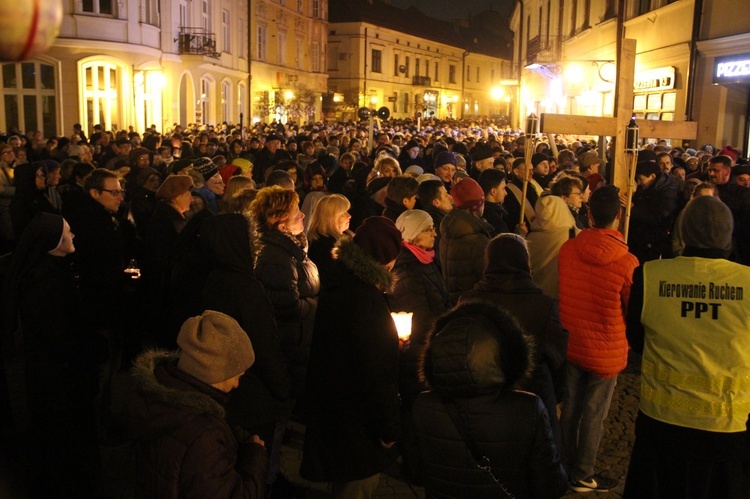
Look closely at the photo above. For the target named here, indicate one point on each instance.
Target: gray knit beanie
(707, 224)
(214, 348)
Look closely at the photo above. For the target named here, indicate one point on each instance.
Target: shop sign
(732, 69)
(654, 79)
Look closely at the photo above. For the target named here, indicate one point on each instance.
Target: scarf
(424, 256)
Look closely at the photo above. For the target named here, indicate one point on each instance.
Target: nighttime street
(358, 249)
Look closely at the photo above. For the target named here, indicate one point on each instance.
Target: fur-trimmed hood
(362, 265)
(476, 348)
(166, 398)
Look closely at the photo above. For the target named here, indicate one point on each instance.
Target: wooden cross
(615, 126)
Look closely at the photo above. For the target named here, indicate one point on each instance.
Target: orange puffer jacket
(596, 272)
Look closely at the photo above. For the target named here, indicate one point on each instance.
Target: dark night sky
(456, 9)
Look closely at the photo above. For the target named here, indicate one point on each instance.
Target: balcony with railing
(196, 41)
(543, 49)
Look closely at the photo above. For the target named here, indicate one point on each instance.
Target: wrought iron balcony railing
(196, 41)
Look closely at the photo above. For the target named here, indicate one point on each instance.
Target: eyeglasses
(576, 193)
(7, 152)
(40, 174)
(114, 192)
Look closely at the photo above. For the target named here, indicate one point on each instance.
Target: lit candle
(403, 324)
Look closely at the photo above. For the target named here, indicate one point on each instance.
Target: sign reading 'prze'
(732, 69)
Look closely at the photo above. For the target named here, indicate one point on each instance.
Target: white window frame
(106, 102)
(96, 8)
(226, 35)
(226, 101)
(38, 92)
(206, 20)
(316, 9)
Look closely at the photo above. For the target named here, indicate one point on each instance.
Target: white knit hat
(412, 222)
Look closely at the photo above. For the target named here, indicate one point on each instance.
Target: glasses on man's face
(576, 193)
(41, 174)
(114, 192)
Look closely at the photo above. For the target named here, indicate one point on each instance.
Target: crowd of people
(247, 277)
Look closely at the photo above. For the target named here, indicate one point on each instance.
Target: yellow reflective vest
(696, 357)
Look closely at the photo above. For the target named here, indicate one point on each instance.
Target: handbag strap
(482, 461)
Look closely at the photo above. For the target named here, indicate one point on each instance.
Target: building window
(416, 67)
(298, 54)
(452, 73)
(206, 15)
(206, 99)
(299, 6)
(226, 102)
(261, 43)
(101, 7)
(437, 71)
(281, 48)
(226, 37)
(151, 12)
(242, 39)
(407, 66)
(316, 9)
(241, 100)
(477, 74)
(377, 61)
(468, 73)
(101, 94)
(29, 97)
(184, 14)
(315, 56)
(406, 101)
(395, 65)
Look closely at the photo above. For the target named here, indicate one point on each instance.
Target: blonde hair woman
(236, 185)
(329, 222)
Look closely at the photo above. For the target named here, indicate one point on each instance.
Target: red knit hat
(467, 194)
(380, 238)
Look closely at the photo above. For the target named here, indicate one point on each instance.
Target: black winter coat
(232, 289)
(420, 289)
(652, 217)
(184, 447)
(100, 260)
(352, 391)
(463, 239)
(510, 428)
(291, 280)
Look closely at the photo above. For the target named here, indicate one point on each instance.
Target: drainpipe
(463, 81)
(693, 67)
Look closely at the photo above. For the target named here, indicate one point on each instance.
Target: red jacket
(596, 272)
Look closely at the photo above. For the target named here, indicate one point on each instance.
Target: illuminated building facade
(134, 63)
(287, 60)
(565, 52)
(380, 55)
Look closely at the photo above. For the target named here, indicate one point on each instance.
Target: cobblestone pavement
(613, 459)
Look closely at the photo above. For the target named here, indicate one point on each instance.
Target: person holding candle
(420, 289)
(353, 419)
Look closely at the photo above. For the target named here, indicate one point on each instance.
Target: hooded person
(60, 358)
(554, 224)
(691, 429)
(475, 356)
(30, 198)
(184, 445)
(507, 282)
(353, 420)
